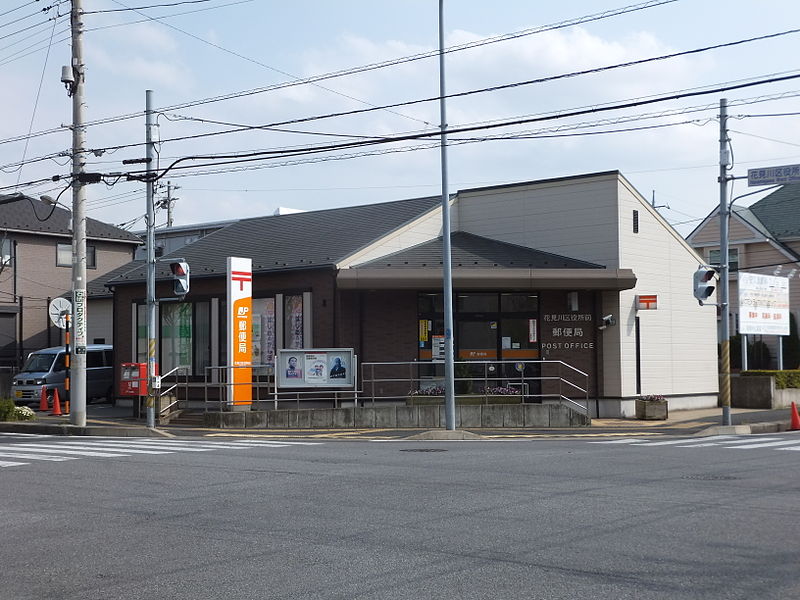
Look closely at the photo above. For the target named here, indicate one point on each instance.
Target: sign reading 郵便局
(763, 304)
(240, 332)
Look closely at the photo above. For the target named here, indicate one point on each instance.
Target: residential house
(36, 249)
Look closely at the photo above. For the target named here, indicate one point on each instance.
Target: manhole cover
(702, 477)
(424, 450)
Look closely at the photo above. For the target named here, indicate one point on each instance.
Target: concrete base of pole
(726, 416)
(240, 408)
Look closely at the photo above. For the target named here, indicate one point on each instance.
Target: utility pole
(151, 262)
(169, 204)
(724, 329)
(449, 346)
(79, 155)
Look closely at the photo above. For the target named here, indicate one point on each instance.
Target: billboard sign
(763, 304)
(240, 331)
(315, 368)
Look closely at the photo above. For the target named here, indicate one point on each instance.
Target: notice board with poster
(315, 368)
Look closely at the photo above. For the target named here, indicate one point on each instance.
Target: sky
(194, 51)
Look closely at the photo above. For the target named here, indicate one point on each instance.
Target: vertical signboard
(763, 304)
(240, 331)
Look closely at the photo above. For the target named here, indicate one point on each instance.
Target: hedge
(783, 379)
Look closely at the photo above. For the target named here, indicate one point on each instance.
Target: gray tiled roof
(469, 250)
(780, 212)
(96, 288)
(30, 214)
(294, 241)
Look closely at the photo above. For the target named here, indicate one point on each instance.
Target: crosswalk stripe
(622, 441)
(36, 435)
(252, 440)
(37, 457)
(214, 445)
(157, 446)
(726, 442)
(683, 441)
(51, 447)
(795, 448)
(101, 447)
(4, 463)
(767, 444)
(185, 447)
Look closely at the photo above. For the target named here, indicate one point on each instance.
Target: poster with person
(315, 368)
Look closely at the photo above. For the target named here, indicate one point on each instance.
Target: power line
(138, 8)
(264, 155)
(374, 66)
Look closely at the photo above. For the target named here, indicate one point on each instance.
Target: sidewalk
(114, 421)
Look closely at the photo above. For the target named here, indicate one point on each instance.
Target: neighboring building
(763, 238)
(169, 239)
(536, 267)
(36, 242)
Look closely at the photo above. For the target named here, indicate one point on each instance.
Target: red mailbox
(133, 379)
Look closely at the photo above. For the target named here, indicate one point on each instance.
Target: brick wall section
(554, 315)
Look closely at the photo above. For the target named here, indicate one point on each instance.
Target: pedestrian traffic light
(703, 283)
(180, 273)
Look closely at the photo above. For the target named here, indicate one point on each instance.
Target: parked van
(46, 368)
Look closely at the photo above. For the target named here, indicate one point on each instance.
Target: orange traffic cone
(56, 404)
(43, 405)
(795, 425)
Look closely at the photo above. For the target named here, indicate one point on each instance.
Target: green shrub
(10, 412)
(7, 410)
(783, 379)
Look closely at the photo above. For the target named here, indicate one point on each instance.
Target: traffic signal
(703, 283)
(180, 273)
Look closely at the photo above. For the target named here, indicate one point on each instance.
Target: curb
(89, 430)
(750, 428)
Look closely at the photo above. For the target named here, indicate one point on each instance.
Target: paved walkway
(106, 419)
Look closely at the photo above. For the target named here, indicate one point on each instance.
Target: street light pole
(78, 365)
(724, 330)
(449, 376)
(151, 262)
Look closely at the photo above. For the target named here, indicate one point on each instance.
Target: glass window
(94, 359)
(733, 258)
(293, 321)
(480, 303)
(176, 335)
(519, 303)
(5, 250)
(202, 337)
(141, 333)
(431, 303)
(64, 256)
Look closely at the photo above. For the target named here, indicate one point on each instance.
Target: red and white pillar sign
(240, 331)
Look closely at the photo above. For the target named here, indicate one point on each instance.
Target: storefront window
(511, 303)
(176, 335)
(202, 337)
(477, 303)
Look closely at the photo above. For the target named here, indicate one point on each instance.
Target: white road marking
(767, 444)
(620, 441)
(112, 447)
(37, 457)
(683, 441)
(4, 463)
(51, 447)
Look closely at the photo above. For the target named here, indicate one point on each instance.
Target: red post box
(133, 379)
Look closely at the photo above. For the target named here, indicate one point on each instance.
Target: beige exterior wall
(678, 341)
(426, 228)
(101, 321)
(575, 218)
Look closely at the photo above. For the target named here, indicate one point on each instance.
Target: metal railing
(183, 370)
(537, 381)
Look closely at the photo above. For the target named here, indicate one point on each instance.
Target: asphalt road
(532, 519)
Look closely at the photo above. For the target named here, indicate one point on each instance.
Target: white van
(46, 369)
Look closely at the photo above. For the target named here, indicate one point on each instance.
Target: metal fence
(481, 382)
(477, 382)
